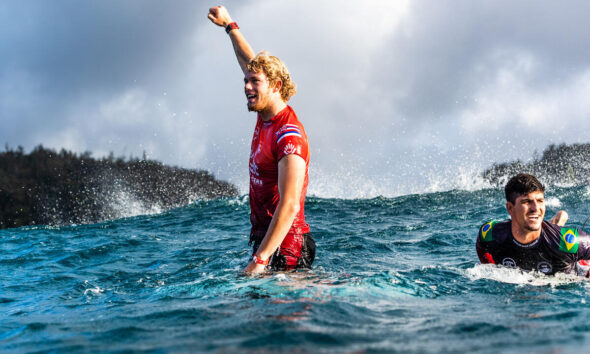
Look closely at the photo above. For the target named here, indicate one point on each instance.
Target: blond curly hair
(275, 71)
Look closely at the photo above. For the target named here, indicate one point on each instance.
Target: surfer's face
(258, 91)
(528, 211)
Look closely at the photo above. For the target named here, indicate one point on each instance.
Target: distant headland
(56, 188)
(562, 164)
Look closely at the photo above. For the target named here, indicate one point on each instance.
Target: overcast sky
(397, 97)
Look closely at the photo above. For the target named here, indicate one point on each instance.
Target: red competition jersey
(273, 140)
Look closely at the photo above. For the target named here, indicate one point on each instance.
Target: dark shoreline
(562, 164)
(56, 188)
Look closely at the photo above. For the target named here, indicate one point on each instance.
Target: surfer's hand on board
(255, 268)
(219, 16)
(560, 218)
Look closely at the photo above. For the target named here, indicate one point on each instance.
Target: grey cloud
(62, 60)
(446, 51)
(390, 99)
(72, 45)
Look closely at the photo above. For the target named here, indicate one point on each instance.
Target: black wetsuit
(557, 249)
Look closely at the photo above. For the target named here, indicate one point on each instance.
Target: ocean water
(391, 275)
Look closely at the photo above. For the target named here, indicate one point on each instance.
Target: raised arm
(244, 53)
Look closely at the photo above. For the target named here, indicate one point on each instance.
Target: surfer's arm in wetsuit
(244, 53)
(291, 179)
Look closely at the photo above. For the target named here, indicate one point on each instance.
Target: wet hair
(275, 71)
(522, 184)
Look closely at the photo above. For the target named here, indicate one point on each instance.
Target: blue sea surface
(391, 275)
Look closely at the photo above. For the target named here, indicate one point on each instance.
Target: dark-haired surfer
(527, 241)
(279, 159)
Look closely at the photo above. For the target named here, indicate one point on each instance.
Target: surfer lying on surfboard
(527, 241)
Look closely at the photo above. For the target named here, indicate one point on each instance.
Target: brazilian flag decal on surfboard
(486, 231)
(569, 240)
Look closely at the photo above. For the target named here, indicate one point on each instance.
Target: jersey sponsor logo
(255, 181)
(256, 134)
(569, 240)
(528, 245)
(544, 267)
(255, 153)
(486, 231)
(509, 262)
(290, 149)
(288, 130)
(254, 168)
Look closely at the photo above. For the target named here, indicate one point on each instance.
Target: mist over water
(347, 186)
(387, 175)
